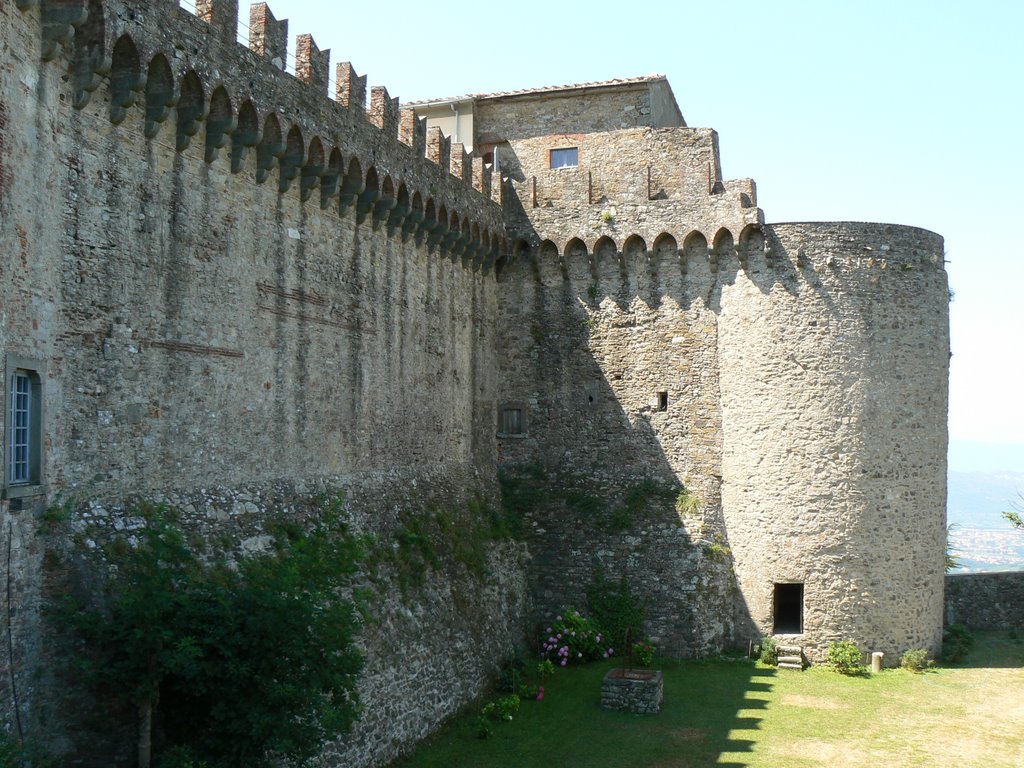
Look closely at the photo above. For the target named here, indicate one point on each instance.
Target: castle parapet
(188, 70)
(222, 16)
(312, 65)
(268, 37)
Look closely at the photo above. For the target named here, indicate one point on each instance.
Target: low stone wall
(639, 691)
(986, 600)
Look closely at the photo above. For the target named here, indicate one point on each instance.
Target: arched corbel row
(126, 81)
(695, 248)
(221, 123)
(330, 180)
(401, 210)
(351, 186)
(192, 110)
(411, 225)
(384, 204)
(312, 170)
(723, 249)
(291, 160)
(369, 195)
(60, 19)
(247, 135)
(427, 224)
(388, 201)
(439, 229)
(752, 244)
(270, 148)
(89, 63)
(160, 94)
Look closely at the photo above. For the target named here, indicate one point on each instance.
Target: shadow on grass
(994, 650)
(711, 716)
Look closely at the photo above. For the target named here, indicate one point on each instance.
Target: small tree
(1016, 514)
(952, 559)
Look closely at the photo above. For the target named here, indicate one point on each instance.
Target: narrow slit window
(662, 402)
(567, 157)
(789, 609)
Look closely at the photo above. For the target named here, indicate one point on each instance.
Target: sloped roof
(572, 87)
(543, 89)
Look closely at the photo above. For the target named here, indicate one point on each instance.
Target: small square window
(568, 157)
(511, 421)
(662, 402)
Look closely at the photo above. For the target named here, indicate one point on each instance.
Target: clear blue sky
(897, 111)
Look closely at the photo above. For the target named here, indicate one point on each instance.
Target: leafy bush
(956, 642)
(574, 637)
(245, 658)
(769, 652)
(501, 709)
(14, 754)
(512, 672)
(644, 653)
(846, 658)
(915, 660)
(615, 609)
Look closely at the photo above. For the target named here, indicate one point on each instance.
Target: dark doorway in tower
(789, 609)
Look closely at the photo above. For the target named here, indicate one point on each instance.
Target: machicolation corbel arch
(295, 131)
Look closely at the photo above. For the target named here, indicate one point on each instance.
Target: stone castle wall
(985, 600)
(834, 363)
(239, 292)
(803, 387)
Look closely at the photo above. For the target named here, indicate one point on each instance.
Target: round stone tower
(834, 358)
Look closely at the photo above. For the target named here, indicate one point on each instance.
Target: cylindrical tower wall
(834, 387)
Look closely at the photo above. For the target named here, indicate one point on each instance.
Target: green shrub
(687, 504)
(501, 709)
(244, 657)
(14, 754)
(915, 660)
(644, 654)
(769, 652)
(484, 730)
(574, 637)
(956, 642)
(512, 673)
(846, 658)
(615, 609)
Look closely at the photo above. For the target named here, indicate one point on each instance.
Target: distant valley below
(981, 537)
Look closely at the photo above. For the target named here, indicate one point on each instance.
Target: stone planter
(633, 690)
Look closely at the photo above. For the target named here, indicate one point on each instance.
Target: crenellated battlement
(601, 264)
(187, 73)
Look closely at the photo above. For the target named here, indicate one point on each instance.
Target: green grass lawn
(737, 713)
